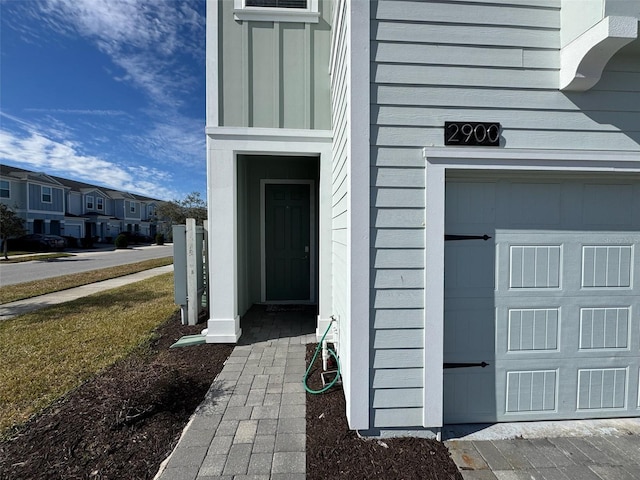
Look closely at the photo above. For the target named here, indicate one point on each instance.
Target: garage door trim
(437, 162)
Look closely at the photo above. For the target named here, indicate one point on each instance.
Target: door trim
(312, 239)
(437, 162)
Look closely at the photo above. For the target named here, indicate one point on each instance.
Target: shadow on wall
(614, 102)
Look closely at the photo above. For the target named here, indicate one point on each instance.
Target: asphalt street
(82, 261)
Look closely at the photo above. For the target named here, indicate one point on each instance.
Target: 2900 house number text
(472, 134)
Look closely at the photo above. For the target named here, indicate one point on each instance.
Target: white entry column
(224, 322)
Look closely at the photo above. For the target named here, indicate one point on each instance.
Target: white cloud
(178, 140)
(147, 39)
(77, 111)
(34, 151)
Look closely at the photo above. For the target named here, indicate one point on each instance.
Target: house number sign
(472, 134)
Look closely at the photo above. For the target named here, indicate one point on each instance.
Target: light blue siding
(437, 61)
(340, 182)
(56, 205)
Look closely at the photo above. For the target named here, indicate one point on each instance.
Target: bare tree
(177, 211)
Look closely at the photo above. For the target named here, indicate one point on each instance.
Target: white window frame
(132, 207)
(42, 194)
(100, 203)
(90, 202)
(8, 189)
(311, 14)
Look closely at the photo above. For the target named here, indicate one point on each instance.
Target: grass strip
(30, 258)
(11, 293)
(47, 353)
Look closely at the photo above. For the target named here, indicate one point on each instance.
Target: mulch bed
(122, 423)
(335, 451)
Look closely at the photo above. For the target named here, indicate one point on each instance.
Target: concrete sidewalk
(20, 307)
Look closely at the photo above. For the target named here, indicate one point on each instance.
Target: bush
(122, 241)
(72, 242)
(86, 242)
(159, 239)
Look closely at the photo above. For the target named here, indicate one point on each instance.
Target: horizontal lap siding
(472, 60)
(339, 187)
(424, 60)
(397, 282)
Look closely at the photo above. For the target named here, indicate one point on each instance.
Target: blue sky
(110, 92)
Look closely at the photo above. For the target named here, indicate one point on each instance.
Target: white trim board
(312, 239)
(438, 162)
(358, 389)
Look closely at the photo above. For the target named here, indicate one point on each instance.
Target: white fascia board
(583, 60)
(268, 134)
(272, 141)
(438, 161)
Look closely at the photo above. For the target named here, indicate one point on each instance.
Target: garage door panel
(470, 395)
(527, 205)
(565, 302)
(469, 331)
(472, 258)
(598, 199)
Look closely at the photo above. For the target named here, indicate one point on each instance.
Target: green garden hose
(315, 355)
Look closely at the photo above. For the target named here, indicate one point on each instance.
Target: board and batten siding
(273, 74)
(56, 205)
(437, 61)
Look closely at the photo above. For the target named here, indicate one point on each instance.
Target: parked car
(41, 242)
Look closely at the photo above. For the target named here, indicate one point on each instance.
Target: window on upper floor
(5, 189)
(89, 202)
(151, 211)
(46, 194)
(132, 207)
(99, 203)
(305, 11)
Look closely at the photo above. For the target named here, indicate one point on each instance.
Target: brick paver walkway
(252, 423)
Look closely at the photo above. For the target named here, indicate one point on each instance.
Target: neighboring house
(35, 197)
(149, 223)
(127, 208)
(480, 271)
(59, 206)
(89, 212)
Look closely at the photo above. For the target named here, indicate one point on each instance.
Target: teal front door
(287, 242)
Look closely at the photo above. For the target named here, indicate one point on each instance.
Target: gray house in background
(456, 183)
(59, 206)
(37, 198)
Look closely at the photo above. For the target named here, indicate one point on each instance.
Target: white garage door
(550, 303)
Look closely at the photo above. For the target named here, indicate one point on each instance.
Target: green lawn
(11, 293)
(46, 353)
